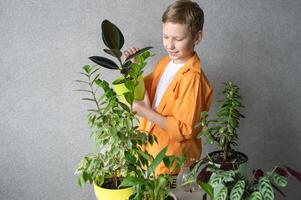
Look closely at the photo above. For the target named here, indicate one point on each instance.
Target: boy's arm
(194, 96)
(144, 109)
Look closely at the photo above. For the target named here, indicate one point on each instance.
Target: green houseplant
(222, 130)
(222, 177)
(148, 185)
(235, 185)
(112, 121)
(131, 73)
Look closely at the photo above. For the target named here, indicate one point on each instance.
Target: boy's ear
(198, 37)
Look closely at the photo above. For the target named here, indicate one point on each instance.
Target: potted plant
(148, 185)
(222, 130)
(233, 184)
(112, 121)
(131, 73)
(222, 177)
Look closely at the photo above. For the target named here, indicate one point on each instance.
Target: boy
(177, 89)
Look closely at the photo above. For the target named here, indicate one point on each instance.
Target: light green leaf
(156, 161)
(266, 189)
(207, 188)
(238, 190)
(279, 180)
(256, 196)
(222, 195)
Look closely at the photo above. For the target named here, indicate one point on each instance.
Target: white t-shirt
(167, 76)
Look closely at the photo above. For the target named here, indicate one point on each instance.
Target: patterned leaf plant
(239, 187)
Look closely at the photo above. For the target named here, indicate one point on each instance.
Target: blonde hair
(185, 12)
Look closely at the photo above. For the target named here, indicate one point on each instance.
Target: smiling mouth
(172, 53)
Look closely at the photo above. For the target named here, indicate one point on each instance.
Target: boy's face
(178, 41)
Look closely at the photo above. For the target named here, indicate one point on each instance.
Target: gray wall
(43, 131)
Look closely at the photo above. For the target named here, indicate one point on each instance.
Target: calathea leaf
(104, 62)
(238, 190)
(266, 189)
(256, 196)
(279, 180)
(215, 180)
(222, 195)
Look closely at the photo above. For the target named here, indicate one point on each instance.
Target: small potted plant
(148, 185)
(112, 121)
(235, 185)
(222, 177)
(222, 130)
(131, 73)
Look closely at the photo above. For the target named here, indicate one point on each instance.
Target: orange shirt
(188, 94)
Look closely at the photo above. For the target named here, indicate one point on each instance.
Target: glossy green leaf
(168, 161)
(207, 188)
(113, 52)
(111, 35)
(130, 181)
(104, 62)
(140, 51)
(156, 161)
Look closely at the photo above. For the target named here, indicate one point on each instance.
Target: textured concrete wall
(43, 131)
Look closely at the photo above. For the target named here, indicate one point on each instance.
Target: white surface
(182, 195)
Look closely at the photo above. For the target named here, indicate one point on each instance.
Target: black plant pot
(233, 162)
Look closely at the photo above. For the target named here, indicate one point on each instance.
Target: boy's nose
(170, 45)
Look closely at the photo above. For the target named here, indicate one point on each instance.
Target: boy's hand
(130, 51)
(142, 106)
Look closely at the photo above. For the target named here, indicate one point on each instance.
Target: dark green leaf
(111, 35)
(130, 181)
(138, 52)
(104, 62)
(114, 52)
(156, 161)
(207, 188)
(168, 161)
(88, 99)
